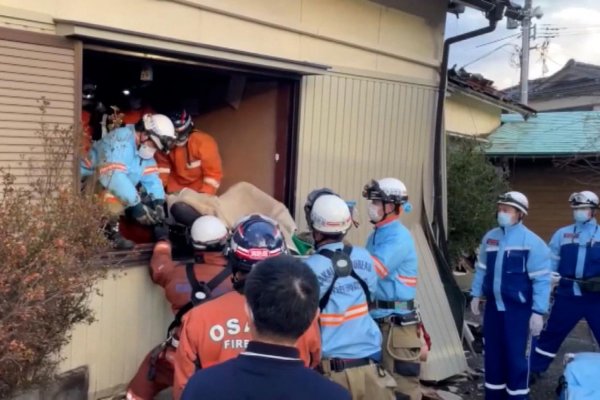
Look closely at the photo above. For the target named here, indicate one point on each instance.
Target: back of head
(330, 215)
(283, 295)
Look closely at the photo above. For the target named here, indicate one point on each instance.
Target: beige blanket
(238, 201)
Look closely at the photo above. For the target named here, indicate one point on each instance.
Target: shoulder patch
(493, 242)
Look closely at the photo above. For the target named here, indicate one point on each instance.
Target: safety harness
(201, 292)
(342, 267)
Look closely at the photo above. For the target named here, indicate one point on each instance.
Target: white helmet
(330, 214)
(515, 199)
(388, 190)
(208, 231)
(585, 199)
(161, 130)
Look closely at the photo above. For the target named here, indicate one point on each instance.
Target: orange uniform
(171, 276)
(196, 165)
(218, 331)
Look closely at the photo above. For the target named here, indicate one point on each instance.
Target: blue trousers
(566, 312)
(507, 348)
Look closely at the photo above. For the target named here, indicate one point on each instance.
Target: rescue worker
(350, 338)
(513, 273)
(125, 158)
(575, 259)
(219, 329)
(395, 256)
(184, 285)
(282, 296)
(194, 163)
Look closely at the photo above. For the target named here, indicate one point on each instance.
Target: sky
(577, 23)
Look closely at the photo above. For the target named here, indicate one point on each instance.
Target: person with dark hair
(282, 299)
(219, 330)
(348, 281)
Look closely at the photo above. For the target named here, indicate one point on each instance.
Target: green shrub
(51, 238)
(473, 187)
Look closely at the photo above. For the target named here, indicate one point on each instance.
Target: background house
(548, 158)
(474, 106)
(575, 87)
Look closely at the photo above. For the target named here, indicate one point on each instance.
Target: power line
(487, 54)
(500, 40)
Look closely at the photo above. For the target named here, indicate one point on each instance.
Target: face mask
(373, 211)
(146, 152)
(504, 219)
(581, 215)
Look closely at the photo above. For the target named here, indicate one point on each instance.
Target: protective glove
(555, 277)
(536, 324)
(475, 305)
(159, 210)
(142, 214)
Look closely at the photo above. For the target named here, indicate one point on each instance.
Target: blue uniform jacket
(393, 250)
(347, 330)
(121, 168)
(513, 268)
(576, 254)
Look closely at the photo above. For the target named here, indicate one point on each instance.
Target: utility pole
(525, 33)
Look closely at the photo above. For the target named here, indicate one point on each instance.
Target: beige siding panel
(45, 80)
(447, 356)
(39, 71)
(48, 118)
(37, 48)
(35, 102)
(29, 72)
(353, 129)
(34, 110)
(28, 62)
(34, 55)
(114, 345)
(35, 87)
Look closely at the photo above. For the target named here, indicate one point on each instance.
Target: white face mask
(146, 152)
(374, 212)
(504, 219)
(582, 215)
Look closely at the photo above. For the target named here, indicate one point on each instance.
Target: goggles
(507, 198)
(579, 199)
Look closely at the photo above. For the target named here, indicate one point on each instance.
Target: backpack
(342, 267)
(580, 380)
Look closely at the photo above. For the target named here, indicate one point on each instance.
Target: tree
(473, 188)
(51, 238)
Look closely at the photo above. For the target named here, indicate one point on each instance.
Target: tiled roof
(547, 134)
